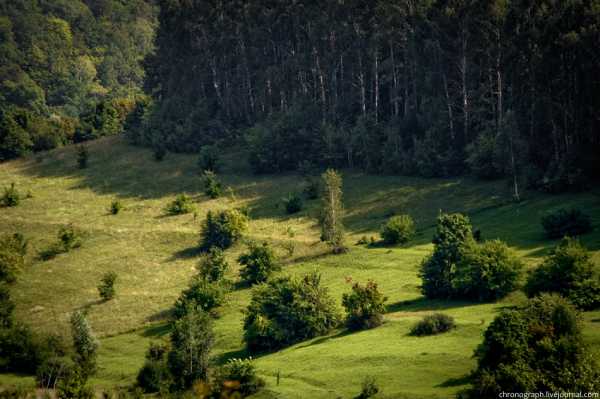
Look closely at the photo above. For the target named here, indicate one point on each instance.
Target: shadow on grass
(234, 354)
(162, 316)
(157, 330)
(321, 340)
(423, 305)
(188, 253)
(455, 382)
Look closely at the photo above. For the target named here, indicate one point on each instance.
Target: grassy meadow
(155, 255)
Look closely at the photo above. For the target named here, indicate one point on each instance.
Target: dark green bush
(19, 349)
(566, 223)
(52, 370)
(155, 375)
(535, 348)
(237, 378)
(182, 204)
(398, 230)
(569, 271)
(68, 238)
(312, 188)
(223, 229)
(212, 187)
(10, 197)
(292, 203)
(7, 306)
(201, 294)
(13, 249)
(106, 288)
(83, 156)
(73, 385)
(285, 311)
(214, 266)
(115, 207)
(436, 323)
(369, 388)
(160, 152)
(364, 306)
(209, 158)
(85, 344)
(258, 263)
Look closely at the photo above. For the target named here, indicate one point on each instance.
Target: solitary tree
(332, 229)
(85, 344)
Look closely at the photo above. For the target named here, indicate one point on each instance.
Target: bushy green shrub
(214, 266)
(106, 288)
(212, 187)
(487, 271)
(209, 158)
(85, 344)
(11, 197)
(369, 388)
(364, 306)
(73, 385)
(68, 238)
(566, 223)
(398, 230)
(292, 203)
(237, 378)
(569, 271)
(538, 347)
(222, 229)
(285, 311)
(52, 370)
(13, 248)
(83, 156)
(486, 156)
(201, 294)
(7, 306)
(115, 207)
(182, 204)
(155, 376)
(258, 263)
(19, 349)
(436, 323)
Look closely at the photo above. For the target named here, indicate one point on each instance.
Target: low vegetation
(10, 197)
(398, 230)
(213, 266)
(201, 294)
(106, 288)
(222, 229)
(212, 186)
(436, 323)
(292, 203)
(566, 223)
(364, 306)
(181, 205)
(258, 263)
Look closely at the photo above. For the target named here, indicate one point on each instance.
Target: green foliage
(106, 289)
(115, 207)
(569, 271)
(487, 271)
(10, 197)
(209, 158)
(237, 378)
(332, 229)
(535, 348)
(312, 188)
(364, 306)
(84, 343)
(486, 156)
(566, 223)
(398, 230)
(19, 349)
(369, 388)
(73, 385)
(192, 339)
(13, 248)
(292, 203)
(285, 311)
(436, 323)
(83, 156)
(212, 186)
(181, 205)
(69, 238)
(155, 375)
(258, 263)
(201, 294)
(54, 369)
(7, 306)
(214, 266)
(222, 229)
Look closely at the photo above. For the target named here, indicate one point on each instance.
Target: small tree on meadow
(222, 229)
(364, 306)
(106, 288)
(332, 229)
(83, 156)
(11, 196)
(212, 186)
(214, 266)
(258, 263)
(84, 343)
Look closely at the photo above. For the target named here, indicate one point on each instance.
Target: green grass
(154, 256)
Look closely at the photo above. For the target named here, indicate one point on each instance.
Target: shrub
(369, 388)
(487, 271)
(182, 204)
(73, 386)
(82, 156)
(364, 306)
(436, 323)
(237, 378)
(223, 229)
(212, 187)
(565, 222)
(115, 207)
(258, 263)
(569, 271)
(398, 230)
(160, 152)
(7, 307)
(84, 343)
(155, 375)
(13, 249)
(209, 158)
(312, 188)
(213, 266)
(538, 347)
(69, 238)
(53, 370)
(106, 289)
(19, 349)
(201, 294)
(285, 311)
(11, 196)
(292, 203)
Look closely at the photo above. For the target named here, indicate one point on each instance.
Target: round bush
(258, 263)
(182, 204)
(237, 378)
(213, 266)
(436, 323)
(364, 306)
(223, 229)
(292, 203)
(11, 196)
(398, 230)
(201, 294)
(566, 222)
(106, 289)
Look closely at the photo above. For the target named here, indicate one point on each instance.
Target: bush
(369, 388)
(19, 350)
(568, 271)
(106, 289)
(312, 188)
(566, 223)
(159, 152)
(538, 347)
(223, 229)
(212, 187)
(201, 294)
(398, 230)
(73, 386)
(436, 323)
(115, 207)
(13, 249)
(182, 204)
(53, 370)
(209, 158)
(258, 263)
(285, 311)
(84, 343)
(11, 196)
(155, 375)
(7, 307)
(82, 156)
(292, 203)
(69, 238)
(237, 378)
(364, 306)
(487, 271)
(213, 266)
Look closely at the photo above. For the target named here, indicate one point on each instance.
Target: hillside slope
(155, 255)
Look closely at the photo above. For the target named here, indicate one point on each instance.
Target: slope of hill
(154, 256)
